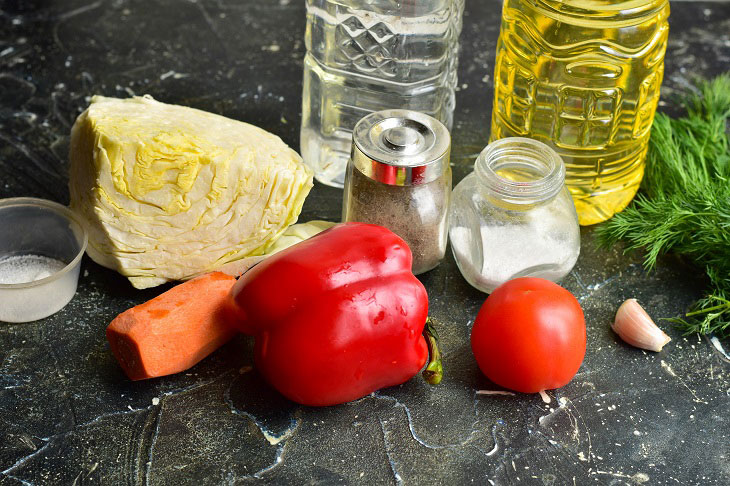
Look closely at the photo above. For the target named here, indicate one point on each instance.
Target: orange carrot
(175, 330)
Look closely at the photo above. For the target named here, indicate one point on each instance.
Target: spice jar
(513, 216)
(399, 177)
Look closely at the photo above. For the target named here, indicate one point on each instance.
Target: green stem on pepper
(434, 370)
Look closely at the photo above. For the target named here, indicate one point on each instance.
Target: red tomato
(529, 335)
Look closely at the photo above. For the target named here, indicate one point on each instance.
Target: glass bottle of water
(370, 55)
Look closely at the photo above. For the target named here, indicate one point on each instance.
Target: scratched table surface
(69, 416)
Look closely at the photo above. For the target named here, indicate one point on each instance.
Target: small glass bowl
(41, 246)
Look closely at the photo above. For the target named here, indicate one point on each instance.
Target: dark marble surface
(69, 416)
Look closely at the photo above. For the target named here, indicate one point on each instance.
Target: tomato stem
(434, 370)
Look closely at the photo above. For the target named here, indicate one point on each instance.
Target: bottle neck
(520, 171)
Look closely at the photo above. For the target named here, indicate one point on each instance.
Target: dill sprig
(684, 202)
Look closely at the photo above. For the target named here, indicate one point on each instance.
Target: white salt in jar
(41, 247)
(513, 217)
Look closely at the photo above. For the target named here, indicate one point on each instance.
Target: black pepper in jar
(399, 177)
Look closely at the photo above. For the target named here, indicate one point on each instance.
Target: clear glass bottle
(513, 216)
(370, 55)
(583, 77)
(399, 177)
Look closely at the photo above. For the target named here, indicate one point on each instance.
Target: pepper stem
(434, 370)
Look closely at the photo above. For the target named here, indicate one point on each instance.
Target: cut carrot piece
(175, 330)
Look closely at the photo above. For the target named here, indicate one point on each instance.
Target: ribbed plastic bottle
(583, 76)
(370, 55)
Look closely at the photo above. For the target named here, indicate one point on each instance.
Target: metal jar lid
(401, 147)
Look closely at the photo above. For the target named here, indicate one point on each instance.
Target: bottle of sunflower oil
(583, 76)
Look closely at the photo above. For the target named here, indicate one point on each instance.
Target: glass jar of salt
(399, 177)
(513, 217)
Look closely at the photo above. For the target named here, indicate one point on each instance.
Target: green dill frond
(710, 315)
(684, 202)
(712, 97)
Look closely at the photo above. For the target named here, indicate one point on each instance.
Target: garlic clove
(634, 326)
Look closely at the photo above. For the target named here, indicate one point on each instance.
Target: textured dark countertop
(69, 416)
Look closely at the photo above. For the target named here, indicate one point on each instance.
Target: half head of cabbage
(168, 192)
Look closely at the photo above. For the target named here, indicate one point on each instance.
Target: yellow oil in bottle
(583, 76)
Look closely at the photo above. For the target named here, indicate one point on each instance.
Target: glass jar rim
(545, 170)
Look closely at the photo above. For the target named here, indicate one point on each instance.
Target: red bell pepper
(335, 317)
